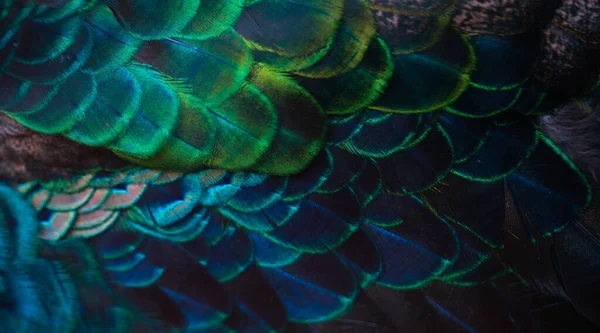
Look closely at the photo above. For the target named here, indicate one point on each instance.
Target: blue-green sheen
(292, 163)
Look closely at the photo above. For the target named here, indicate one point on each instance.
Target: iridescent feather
(294, 163)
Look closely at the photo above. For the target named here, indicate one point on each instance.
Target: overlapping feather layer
(248, 85)
(320, 150)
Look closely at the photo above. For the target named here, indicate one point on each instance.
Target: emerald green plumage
(113, 46)
(114, 58)
(203, 58)
(356, 88)
(286, 159)
(357, 28)
(157, 116)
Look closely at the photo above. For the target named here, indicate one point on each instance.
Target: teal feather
(296, 164)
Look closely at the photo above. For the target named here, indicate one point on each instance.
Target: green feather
(119, 98)
(155, 20)
(48, 41)
(211, 70)
(112, 46)
(357, 88)
(247, 123)
(266, 27)
(213, 18)
(302, 124)
(155, 119)
(53, 14)
(189, 145)
(428, 80)
(350, 43)
(63, 107)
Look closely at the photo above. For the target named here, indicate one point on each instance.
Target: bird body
(290, 166)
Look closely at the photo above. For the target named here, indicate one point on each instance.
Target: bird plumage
(294, 165)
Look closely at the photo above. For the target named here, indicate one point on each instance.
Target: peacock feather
(290, 161)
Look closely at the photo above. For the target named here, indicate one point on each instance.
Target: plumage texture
(295, 163)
